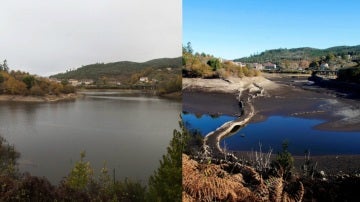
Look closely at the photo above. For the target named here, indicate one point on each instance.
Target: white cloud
(45, 37)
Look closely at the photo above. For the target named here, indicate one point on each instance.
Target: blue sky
(238, 28)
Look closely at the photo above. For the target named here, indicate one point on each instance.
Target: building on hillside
(144, 79)
(55, 80)
(324, 66)
(74, 82)
(269, 66)
(257, 66)
(239, 64)
(87, 82)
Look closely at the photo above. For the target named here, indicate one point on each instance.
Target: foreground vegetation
(82, 185)
(260, 177)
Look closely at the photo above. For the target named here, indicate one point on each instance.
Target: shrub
(285, 159)
(81, 175)
(8, 158)
(31, 188)
(36, 90)
(349, 74)
(68, 89)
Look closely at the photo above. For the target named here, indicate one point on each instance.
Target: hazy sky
(234, 28)
(46, 37)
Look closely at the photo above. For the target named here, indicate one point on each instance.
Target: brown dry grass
(211, 182)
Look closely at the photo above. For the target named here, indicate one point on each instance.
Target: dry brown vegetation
(22, 83)
(235, 182)
(206, 66)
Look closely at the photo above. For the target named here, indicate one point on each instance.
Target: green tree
(29, 81)
(189, 48)
(64, 82)
(166, 182)
(214, 63)
(285, 159)
(330, 56)
(314, 64)
(5, 66)
(81, 175)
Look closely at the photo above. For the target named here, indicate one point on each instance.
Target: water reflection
(273, 131)
(130, 134)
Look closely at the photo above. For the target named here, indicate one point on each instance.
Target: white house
(257, 66)
(269, 66)
(74, 82)
(144, 79)
(324, 66)
(87, 81)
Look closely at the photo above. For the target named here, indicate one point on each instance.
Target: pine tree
(166, 183)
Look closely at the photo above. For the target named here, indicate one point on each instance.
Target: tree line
(22, 83)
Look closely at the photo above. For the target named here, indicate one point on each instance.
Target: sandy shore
(46, 98)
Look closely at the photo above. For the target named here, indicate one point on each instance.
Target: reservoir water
(128, 129)
(299, 133)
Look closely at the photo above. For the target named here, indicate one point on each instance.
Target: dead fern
(211, 182)
(208, 182)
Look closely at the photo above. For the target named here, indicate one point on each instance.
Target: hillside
(120, 71)
(207, 66)
(305, 53)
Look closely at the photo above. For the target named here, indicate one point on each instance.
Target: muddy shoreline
(39, 99)
(287, 98)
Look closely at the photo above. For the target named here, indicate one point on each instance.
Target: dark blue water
(205, 123)
(299, 133)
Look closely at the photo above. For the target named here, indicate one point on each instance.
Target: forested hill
(305, 53)
(119, 70)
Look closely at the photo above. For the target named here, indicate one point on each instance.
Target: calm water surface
(127, 129)
(299, 132)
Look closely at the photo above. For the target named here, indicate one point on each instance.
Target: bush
(128, 190)
(37, 91)
(32, 188)
(68, 89)
(81, 175)
(214, 63)
(349, 74)
(285, 159)
(8, 158)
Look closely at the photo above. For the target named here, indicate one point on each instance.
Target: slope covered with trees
(162, 75)
(305, 53)
(207, 66)
(22, 83)
(333, 58)
(124, 71)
